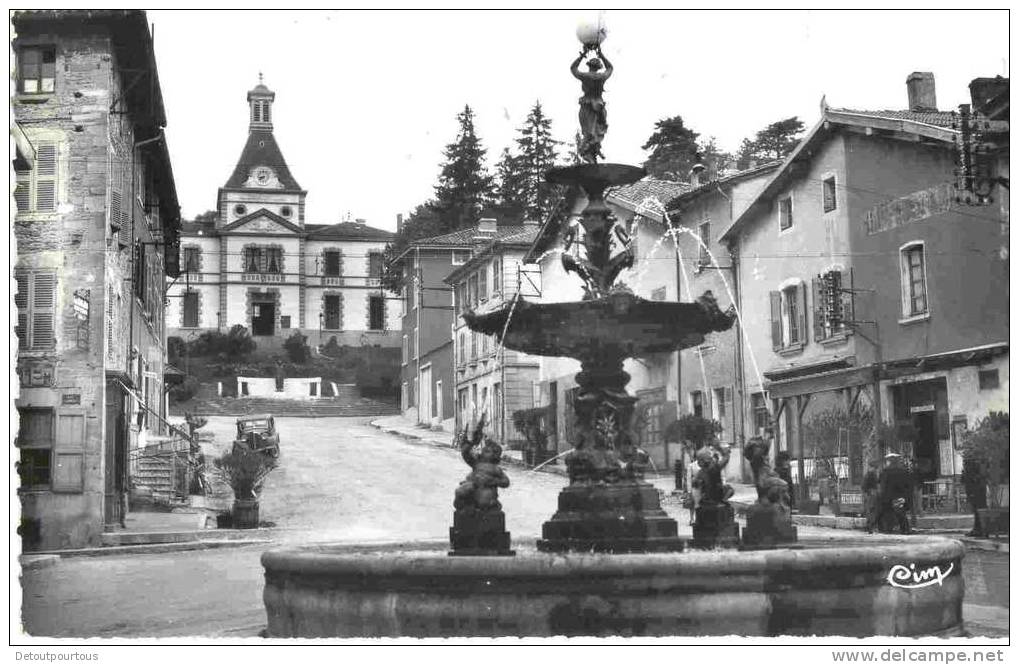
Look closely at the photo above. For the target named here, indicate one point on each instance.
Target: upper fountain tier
(620, 324)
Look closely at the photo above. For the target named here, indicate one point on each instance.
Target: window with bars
(914, 280)
(36, 303)
(828, 194)
(191, 309)
(37, 69)
(36, 189)
(35, 441)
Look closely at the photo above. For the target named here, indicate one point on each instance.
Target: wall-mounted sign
(923, 408)
(36, 374)
(70, 398)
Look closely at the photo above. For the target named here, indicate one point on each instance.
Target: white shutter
(23, 192)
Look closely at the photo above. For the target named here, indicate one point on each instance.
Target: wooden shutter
(801, 292)
(43, 310)
(68, 453)
(46, 177)
(776, 319)
(819, 309)
(23, 192)
(21, 302)
(848, 315)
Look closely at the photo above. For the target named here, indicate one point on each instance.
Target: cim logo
(908, 577)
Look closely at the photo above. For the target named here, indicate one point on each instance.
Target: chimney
(920, 89)
(983, 90)
(399, 222)
(696, 171)
(485, 230)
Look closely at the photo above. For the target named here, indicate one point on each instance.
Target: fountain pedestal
(619, 517)
(715, 526)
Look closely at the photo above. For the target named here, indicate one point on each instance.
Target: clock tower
(261, 180)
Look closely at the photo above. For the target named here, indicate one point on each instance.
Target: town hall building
(258, 264)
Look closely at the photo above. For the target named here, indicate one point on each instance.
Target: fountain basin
(417, 590)
(631, 325)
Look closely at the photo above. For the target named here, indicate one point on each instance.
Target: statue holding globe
(593, 117)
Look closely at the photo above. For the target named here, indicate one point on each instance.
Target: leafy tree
(207, 216)
(775, 141)
(986, 448)
(673, 149)
(465, 185)
(693, 431)
(713, 157)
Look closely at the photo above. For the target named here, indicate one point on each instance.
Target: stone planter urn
(245, 514)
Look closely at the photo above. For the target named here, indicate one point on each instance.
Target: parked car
(258, 434)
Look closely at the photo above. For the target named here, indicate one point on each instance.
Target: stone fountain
(610, 561)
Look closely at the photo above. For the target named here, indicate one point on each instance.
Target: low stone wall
(293, 388)
(416, 590)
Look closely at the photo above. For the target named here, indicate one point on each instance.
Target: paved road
(338, 480)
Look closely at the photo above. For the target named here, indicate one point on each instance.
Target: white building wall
(253, 201)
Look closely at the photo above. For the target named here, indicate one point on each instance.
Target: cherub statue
(713, 490)
(593, 118)
(480, 489)
(771, 489)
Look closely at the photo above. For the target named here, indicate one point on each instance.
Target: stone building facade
(96, 228)
(258, 264)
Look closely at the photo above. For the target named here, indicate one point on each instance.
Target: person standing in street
(870, 489)
(976, 492)
(895, 493)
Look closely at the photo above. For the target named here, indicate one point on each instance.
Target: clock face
(263, 175)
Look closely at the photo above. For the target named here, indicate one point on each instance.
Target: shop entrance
(921, 413)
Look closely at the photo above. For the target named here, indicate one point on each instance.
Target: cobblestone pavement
(338, 480)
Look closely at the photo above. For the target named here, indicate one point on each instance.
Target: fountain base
(832, 587)
(479, 533)
(618, 517)
(715, 526)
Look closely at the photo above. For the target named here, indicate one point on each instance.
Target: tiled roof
(261, 150)
(934, 118)
(645, 191)
(693, 192)
(345, 230)
(466, 236)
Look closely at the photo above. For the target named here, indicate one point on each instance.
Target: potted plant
(985, 461)
(245, 472)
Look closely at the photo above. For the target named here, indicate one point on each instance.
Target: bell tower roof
(261, 157)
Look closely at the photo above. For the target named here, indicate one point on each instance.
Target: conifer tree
(510, 188)
(465, 186)
(537, 153)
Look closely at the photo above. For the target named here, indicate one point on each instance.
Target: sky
(367, 100)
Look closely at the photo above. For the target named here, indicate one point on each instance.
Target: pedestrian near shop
(870, 491)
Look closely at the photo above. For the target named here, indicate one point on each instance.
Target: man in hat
(895, 482)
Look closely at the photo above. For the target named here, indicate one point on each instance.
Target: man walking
(870, 489)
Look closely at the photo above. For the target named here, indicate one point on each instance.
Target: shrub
(176, 348)
(986, 449)
(183, 392)
(234, 345)
(244, 471)
(297, 348)
(693, 431)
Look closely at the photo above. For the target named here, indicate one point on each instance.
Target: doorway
(263, 319)
(925, 449)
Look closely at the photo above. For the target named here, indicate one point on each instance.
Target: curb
(131, 538)
(983, 545)
(159, 548)
(38, 561)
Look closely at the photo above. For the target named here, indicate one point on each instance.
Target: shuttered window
(785, 213)
(704, 232)
(788, 317)
(375, 265)
(828, 194)
(333, 318)
(332, 263)
(36, 189)
(376, 313)
(35, 441)
(483, 283)
(36, 303)
(496, 274)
